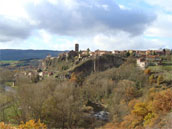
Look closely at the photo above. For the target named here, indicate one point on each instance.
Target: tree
(88, 51)
(163, 101)
(6, 75)
(63, 107)
(140, 109)
(127, 54)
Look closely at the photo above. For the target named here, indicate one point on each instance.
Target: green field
(161, 68)
(8, 61)
(21, 63)
(165, 70)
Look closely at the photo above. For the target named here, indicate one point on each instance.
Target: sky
(94, 24)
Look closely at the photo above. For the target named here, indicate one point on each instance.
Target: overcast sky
(94, 24)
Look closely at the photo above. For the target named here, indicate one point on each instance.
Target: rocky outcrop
(100, 63)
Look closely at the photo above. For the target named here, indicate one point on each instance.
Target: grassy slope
(165, 70)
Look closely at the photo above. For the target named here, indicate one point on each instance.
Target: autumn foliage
(6, 126)
(31, 124)
(147, 71)
(163, 101)
(147, 113)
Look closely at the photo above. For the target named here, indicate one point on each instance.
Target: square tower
(76, 47)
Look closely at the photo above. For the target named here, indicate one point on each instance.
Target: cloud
(162, 27)
(121, 41)
(13, 28)
(83, 18)
(100, 24)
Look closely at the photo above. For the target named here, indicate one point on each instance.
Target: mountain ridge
(20, 54)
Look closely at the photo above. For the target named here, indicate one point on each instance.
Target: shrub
(132, 103)
(148, 113)
(140, 109)
(126, 90)
(6, 126)
(31, 124)
(147, 71)
(148, 118)
(163, 101)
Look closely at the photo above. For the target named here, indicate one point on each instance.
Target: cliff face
(98, 64)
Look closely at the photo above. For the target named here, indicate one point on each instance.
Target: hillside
(109, 92)
(16, 54)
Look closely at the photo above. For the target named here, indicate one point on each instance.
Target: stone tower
(76, 47)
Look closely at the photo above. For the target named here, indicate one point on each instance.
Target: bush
(148, 118)
(32, 124)
(6, 126)
(148, 113)
(147, 71)
(126, 90)
(163, 101)
(140, 109)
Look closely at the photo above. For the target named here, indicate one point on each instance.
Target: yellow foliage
(130, 121)
(28, 125)
(140, 109)
(150, 106)
(32, 125)
(148, 118)
(132, 103)
(148, 113)
(6, 126)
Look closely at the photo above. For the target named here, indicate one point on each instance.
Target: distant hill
(15, 54)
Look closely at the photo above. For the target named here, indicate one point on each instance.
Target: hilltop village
(64, 64)
(144, 58)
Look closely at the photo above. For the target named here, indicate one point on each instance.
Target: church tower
(76, 47)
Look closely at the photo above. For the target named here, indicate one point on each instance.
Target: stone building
(141, 62)
(76, 47)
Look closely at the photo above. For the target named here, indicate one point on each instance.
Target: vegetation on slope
(134, 98)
